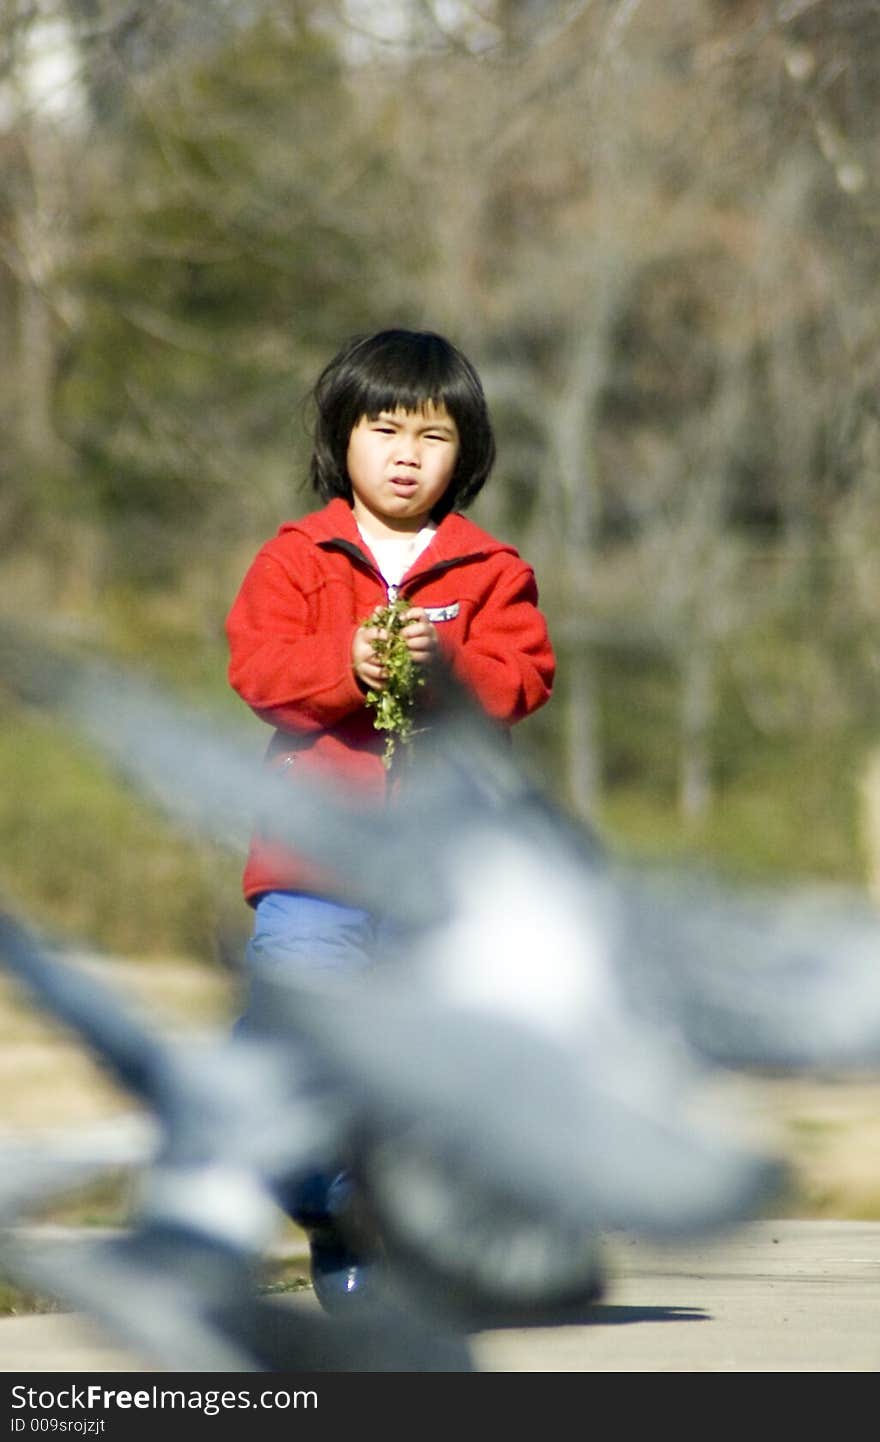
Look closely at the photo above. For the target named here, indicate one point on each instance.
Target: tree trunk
(697, 709)
(580, 733)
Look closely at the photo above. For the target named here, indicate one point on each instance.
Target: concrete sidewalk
(786, 1296)
(773, 1297)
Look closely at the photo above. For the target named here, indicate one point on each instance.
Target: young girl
(403, 443)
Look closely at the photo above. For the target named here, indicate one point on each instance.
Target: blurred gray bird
(529, 1066)
(233, 1119)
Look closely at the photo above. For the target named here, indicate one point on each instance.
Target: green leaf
(395, 703)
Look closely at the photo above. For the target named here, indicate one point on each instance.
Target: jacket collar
(456, 538)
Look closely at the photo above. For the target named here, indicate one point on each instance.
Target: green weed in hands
(394, 705)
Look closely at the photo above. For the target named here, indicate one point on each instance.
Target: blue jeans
(297, 935)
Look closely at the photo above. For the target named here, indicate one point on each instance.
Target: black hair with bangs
(400, 370)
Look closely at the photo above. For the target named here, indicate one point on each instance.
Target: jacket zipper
(339, 543)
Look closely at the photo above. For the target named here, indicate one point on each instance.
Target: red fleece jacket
(290, 633)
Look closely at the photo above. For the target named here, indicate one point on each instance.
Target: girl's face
(400, 465)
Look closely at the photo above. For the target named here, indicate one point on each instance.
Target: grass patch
(284, 1277)
(82, 854)
(105, 1202)
(18, 1302)
(785, 801)
(793, 826)
(278, 1278)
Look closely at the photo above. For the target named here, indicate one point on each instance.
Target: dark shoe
(343, 1279)
(343, 1273)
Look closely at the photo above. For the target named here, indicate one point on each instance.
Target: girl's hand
(420, 635)
(367, 668)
